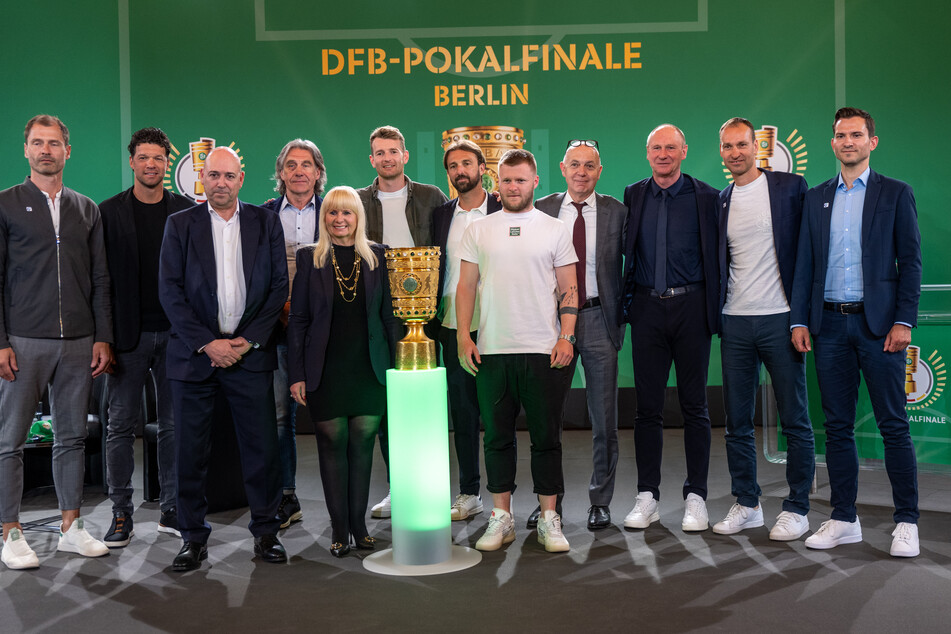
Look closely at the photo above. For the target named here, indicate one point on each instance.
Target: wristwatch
(569, 338)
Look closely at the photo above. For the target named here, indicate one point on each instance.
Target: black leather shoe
(190, 557)
(598, 517)
(366, 543)
(339, 550)
(268, 548)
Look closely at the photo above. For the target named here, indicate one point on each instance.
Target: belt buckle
(667, 294)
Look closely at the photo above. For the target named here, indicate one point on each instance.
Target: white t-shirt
(517, 254)
(461, 219)
(396, 233)
(755, 286)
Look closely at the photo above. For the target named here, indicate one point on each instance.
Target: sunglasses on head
(579, 142)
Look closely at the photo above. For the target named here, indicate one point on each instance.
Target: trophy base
(416, 351)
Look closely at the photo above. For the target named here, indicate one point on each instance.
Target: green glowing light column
(418, 432)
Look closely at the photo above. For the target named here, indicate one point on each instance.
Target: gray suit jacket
(611, 227)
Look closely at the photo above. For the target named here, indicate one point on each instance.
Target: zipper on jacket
(59, 286)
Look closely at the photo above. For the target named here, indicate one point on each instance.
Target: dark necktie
(579, 239)
(660, 255)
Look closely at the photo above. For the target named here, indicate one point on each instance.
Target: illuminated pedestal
(419, 479)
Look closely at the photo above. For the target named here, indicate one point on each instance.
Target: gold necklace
(343, 280)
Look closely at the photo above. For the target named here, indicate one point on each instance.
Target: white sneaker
(644, 512)
(789, 527)
(501, 530)
(550, 534)
(695, 514)
(464, 506)
(905, 540)
(18, 555)
(78, 540)
(739, 518)
(382, 508)
(832, 533)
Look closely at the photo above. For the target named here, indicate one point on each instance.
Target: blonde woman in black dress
(341, 335)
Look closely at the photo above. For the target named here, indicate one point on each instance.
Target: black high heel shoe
(338, 549)
(366, 543)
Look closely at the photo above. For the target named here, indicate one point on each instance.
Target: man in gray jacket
(399, 214)
(56, 329)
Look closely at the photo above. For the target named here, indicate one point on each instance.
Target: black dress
(348, 385)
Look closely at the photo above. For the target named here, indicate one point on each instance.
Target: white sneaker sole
(455, 518)
(118, 544)
(639, 523)
(694, 528)
(554, 548)
(848, 539)
(904, 553)
(27, 564)
(787, 537)
(506, 539)
(162, 528)
(65, 547)
(733, 530)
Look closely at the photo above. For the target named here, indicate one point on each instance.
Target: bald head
(222, 179)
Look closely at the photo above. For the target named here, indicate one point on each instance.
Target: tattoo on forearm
(568, 298)
(567, 310)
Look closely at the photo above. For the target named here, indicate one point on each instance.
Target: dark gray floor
(659, 579)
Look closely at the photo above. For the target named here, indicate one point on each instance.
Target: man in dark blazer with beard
(465, 166)
(597, 223)
(223, 282)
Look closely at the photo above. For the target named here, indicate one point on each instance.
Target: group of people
(266, 308)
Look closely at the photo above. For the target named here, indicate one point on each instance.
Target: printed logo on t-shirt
(515, 231)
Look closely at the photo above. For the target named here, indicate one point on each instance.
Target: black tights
(345, 448)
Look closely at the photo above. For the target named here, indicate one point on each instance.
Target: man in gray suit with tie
(597, 224)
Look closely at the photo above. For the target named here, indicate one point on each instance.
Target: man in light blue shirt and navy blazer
(856, 290)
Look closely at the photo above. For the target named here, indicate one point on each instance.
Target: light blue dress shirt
(844, 279)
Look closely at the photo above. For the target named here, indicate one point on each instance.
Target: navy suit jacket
(122, 252)
(707, 207)
(308, 325)
(611, 216)
(442, 219)
(891, 255)
(786, 195)
(188, 288)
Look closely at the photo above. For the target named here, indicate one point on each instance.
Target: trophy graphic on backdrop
(200, 151)
(765, 146)
(418, 427)
(911, 366)
(494, 141)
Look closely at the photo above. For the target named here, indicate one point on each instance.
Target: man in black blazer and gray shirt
(597, 224)
(465, 165)
(133, 223)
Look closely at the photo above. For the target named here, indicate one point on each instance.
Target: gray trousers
(64, 365)
(125, 411)
(599, 359)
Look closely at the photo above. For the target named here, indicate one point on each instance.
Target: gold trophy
(494, 141)
(200, 151)
(414, 284)
(911, 366)
(765, 145)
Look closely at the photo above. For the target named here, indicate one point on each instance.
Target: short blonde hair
(343, 198)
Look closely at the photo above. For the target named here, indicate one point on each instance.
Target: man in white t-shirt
(399, 214)
(520, 262)
(759, 232)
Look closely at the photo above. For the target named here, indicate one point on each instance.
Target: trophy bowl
(414, 285)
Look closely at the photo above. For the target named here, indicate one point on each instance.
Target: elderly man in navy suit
(465, 166)
(760, 216)
(856, 290)
(597, 224)
(222, 283)
(671, 291)
(300, 176)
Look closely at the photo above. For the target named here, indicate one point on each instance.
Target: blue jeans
(125, 410)
(845, 347)
(286, 410)
(747, 343)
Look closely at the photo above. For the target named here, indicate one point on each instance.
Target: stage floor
(659, 579)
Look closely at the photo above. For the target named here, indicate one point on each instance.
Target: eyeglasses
(579, 142)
